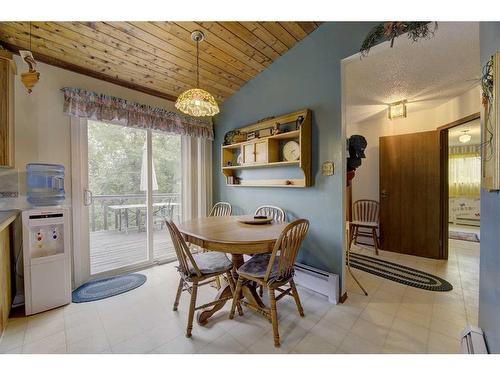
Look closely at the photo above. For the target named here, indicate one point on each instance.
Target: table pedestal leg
(249, 292)
(224, 292)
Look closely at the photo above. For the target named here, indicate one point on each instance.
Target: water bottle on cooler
(45, 184)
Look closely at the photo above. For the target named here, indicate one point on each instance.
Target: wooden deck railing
(99, 211)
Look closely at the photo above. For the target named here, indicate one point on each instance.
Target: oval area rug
(108, 287)
(399, 273)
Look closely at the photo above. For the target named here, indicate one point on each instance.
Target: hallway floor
(393, 318)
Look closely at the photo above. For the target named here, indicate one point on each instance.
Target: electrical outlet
(327, 168)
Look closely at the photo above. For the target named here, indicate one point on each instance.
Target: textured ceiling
(473, 129)
(426, 73)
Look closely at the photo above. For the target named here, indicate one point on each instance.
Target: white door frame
(79, 165)
(81, 232)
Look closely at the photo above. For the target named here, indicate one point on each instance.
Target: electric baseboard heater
(472, 341)
(320, 281)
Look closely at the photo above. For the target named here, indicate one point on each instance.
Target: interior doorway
(461, 189)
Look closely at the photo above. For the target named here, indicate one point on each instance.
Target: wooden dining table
(227, 235)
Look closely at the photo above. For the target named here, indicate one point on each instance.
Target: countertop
(7, 217)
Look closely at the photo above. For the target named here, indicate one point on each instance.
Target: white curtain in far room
(464, 171)
(196, 166)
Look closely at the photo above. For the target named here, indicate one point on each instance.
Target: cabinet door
(5, 282)
(6, 113)
(261, 152)
(249, 153)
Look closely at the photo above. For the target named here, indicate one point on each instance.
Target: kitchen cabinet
(5, 277)
(7, 73)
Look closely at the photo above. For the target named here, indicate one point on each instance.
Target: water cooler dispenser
(47, 259)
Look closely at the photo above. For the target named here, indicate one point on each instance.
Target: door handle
(384, 194)
(88, 198)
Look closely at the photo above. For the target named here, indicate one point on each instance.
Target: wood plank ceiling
(159, 58)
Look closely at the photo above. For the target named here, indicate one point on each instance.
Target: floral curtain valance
(94, 106)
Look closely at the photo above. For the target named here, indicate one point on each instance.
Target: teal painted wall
(489, 281)
(307, 76)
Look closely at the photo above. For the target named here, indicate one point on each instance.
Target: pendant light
(197, 102)
(31, 77)
(465, 138)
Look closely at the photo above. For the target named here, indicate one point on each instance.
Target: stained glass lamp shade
(197, 102)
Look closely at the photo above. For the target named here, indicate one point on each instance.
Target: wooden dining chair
(365, 221)
(278, 214)
(221, 209)
(197, 270)
(274, 271)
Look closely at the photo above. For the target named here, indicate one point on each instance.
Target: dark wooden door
(411, 194)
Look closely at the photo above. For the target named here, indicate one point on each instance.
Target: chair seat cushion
(211, 262)
(257, 266)
(368, 224)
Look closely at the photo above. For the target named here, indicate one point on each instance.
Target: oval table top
(226, 234)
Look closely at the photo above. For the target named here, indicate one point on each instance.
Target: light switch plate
(327, 168)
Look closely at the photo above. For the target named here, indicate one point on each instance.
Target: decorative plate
(255, 220)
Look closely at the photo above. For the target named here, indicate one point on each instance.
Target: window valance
(94, 106)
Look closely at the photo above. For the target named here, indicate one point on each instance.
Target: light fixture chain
(197, 63)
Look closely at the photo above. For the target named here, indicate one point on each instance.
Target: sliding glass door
(116, 196)
(129, 182)
(166, 188)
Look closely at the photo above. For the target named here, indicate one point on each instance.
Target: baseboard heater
(472, 341)
(319, 281)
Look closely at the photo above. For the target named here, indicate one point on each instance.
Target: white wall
(42, 131)
(366, 183)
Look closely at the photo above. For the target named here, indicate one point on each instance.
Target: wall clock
(291, 151)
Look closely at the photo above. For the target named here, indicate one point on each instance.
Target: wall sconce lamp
(397, 109)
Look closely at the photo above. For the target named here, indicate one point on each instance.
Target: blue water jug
(45, 184)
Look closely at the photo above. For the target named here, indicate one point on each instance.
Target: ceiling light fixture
(464, 138)
(197, 102)
(397, 109)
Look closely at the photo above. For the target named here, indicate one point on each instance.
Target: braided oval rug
(399, 273)
(107, 287)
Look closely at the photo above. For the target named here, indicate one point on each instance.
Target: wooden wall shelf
(267, 152)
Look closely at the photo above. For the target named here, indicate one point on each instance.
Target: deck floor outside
(114, 249)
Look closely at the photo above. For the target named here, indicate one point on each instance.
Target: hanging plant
(487, 101)
(392, 30)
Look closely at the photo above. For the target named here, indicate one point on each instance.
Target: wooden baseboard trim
(343, 298)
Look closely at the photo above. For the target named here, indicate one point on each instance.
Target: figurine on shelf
(356, 145)
(276, 129)
(233, 136)
(298, 122)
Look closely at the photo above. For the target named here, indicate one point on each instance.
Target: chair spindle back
(182, 250)
(287, 245)
(272, 211)
(221, 209)
(365, 210)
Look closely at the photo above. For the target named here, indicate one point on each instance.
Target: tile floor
(393, 319)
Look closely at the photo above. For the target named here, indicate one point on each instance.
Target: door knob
(384, 194)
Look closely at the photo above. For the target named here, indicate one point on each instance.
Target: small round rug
(108, 287)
